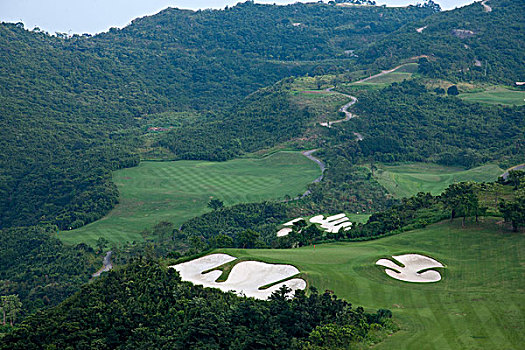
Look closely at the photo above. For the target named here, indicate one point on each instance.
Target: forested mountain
(216, 57)
(469, 43)
(74, 109)
(264, 119)
(69, 106)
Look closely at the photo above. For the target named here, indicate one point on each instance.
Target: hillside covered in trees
(467, 44)
(70, 107)
(41, 271)
(216, 85)
(156, 309)
(405, 122)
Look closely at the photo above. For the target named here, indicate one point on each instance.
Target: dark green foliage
(346, 187)
(300, 236)
(466, 44)
(215, 204)
(458, 200)
(411, 213)
(217, 57)
(406, 123)
(69, 106)
(461, 200)
(264, 119)
(40, 269)
(514, 210)
(453, 90)
(240, 222)
(60, 133)
(146, 305)
(516, 178)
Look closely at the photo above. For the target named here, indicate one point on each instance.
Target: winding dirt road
(380, 74)
(348, 115)
(107, 265)
(344, 109)
(505, 175)
(487, 8)
(322, 165)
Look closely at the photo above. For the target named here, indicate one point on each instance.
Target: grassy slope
(408, 179)
(479, 304)
(397, 76)
(404, 72)
(496, 95)
(178, 191)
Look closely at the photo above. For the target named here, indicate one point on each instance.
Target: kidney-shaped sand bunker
(245, 278)
(416, 268)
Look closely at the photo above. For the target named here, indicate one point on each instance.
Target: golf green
(479, 303)
(178, 191)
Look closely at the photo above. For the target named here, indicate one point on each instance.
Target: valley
(312, 176)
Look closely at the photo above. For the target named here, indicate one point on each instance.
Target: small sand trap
(420, 30)
(290, 223)
(284, 232)
(245, 278)
(333, 223)
(413, 265)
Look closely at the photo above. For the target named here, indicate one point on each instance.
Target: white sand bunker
(333, 223)
(284, 232)
(245, 278)
(416, 268)
(287, 230)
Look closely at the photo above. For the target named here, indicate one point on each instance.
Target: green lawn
(408, 179)
(497, 95)
(479, 303)
(402, 73)
(178, 191)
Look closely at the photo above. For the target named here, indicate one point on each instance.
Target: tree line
(147, 305)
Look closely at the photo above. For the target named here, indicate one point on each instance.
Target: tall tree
(10, 305)
(514, 211)
(461, 199)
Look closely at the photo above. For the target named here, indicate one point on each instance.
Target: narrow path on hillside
(106, 265)
(505, 175)
(348, 115)
(322, 165)
(344, 109)
(487, 7)
(380, 74)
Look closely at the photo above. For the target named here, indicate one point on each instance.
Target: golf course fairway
(478, 304)
(406, 180)
(177, 191)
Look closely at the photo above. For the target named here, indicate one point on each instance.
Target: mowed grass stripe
(477, 305)
(178, 191)
(406, 180)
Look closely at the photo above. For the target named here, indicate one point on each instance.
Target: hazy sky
(94, 16)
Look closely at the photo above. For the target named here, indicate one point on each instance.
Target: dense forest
(405, 122)
(467, 44)
(262, 120)
(38, 269)
(146, 305)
